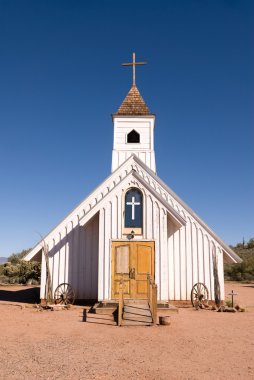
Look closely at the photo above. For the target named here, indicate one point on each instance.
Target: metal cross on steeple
(134, 64)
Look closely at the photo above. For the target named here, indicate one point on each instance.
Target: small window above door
(133, 137)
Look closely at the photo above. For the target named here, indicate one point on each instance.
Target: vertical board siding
(164, 256)
(101, 256)
(73, 258)
(75, 250)
(114, 218)
(55, 267)
(62, 245)
(189, 265)
(177, 264)
(106, 250)
(221, 272)
(81, 255)
(43, 277)
(190, 260)
(200, 257)
(156, 214)
(149, 213)
(171, 287)
(183, 264)
(212, 250)
(194, 254)
(207, 264)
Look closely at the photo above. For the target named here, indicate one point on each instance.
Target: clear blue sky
(61, 78)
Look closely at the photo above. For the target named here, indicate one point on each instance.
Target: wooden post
(120, 305)
(152, 298)
(155, 305)
(148, 287)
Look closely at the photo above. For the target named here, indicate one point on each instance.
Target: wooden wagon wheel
(199, 295)
(64, 294)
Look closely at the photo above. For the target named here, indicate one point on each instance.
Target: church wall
(183, 255)
(73, 258)
(111, 228)
(190, 251)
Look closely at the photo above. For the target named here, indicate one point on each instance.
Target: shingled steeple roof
(133, 104)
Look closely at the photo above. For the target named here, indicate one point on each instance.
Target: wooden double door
(132, 261)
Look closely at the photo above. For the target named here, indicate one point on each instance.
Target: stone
(221, 309)
(230, 310)
(240, 308)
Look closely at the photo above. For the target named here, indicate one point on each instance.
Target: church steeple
(133, 127)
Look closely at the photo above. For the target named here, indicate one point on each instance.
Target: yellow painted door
(120, 266)
(132, 260)
(143, 261)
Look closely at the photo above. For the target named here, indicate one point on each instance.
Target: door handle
(132, 274)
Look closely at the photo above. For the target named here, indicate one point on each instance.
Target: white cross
(133, 204)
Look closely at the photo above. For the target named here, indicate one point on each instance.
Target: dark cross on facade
(134, 64)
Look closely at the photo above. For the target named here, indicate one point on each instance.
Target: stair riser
(145, 313)
(132, 317)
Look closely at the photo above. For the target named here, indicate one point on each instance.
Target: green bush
(243, 271)
(17, 270)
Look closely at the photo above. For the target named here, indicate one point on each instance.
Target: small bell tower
(133, 127)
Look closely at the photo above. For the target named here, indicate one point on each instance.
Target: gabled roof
(133, 166)
(133, 104)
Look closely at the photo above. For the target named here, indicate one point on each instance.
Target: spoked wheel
(64, 294)
(199, 295)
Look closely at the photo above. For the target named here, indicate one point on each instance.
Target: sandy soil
(58, 345)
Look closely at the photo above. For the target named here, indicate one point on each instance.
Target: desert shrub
(250, 244)
(20, 271)
(1, 269)
(243, 271)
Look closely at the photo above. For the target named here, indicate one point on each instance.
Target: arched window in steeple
(133, 137)
(133, 209)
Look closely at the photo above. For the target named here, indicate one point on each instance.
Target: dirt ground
(59, 345)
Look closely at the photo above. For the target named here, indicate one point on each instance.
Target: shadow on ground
(30, 295)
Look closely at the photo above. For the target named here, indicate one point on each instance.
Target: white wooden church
(133, 224)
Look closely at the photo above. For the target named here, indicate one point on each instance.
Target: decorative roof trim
(91, 204)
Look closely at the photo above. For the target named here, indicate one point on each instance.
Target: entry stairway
(136, 313)
(129, 312)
